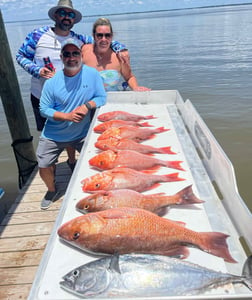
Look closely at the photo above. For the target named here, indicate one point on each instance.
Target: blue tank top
(111, 79)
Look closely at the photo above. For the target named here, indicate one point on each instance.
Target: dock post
(14, 110)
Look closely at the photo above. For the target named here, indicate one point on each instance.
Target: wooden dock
(25, 231)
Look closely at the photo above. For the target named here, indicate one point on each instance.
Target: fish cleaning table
(206, 167)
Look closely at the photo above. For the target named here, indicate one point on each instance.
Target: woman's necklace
(99, 57)
(100, 60)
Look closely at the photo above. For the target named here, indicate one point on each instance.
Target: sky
(16, 10)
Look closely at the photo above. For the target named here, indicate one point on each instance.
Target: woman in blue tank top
(113, 69)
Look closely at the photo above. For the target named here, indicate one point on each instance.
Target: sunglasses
(69, 54)
(62, 13)
(101, 35)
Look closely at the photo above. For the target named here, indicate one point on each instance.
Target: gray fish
(132, 275)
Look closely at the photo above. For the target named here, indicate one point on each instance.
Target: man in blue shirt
(46, 41)
(66, 102)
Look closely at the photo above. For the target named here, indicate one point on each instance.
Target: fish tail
(172, 177)
(215, 244)
(166, 150)
(175, 165)
(161, 129)
(186, 196)
(149, 117)
(247, 272)
(145, 124)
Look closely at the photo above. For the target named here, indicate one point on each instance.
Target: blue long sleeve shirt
(64, 94)
(26, 53)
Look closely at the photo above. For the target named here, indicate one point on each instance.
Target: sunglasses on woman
(62, 13)
(101, 35)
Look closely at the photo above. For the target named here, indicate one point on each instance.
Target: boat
(208, 169)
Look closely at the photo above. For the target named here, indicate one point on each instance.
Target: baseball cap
(71, 41)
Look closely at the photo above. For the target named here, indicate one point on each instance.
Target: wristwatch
(88, 106)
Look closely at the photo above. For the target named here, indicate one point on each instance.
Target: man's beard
(64, 26)
(73, 68)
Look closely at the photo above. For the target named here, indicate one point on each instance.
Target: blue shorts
(48, 151)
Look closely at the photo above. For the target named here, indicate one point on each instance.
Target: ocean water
(205, 54)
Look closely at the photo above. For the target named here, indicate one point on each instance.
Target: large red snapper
(110, 159)
(132, 230)
(129, 198)
(130, 132)
(118, 123)
(125, 178)
(127, 144)
(122, 115)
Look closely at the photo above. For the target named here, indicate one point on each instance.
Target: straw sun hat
(64, 4)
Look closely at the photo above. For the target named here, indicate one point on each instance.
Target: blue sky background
(14, 10)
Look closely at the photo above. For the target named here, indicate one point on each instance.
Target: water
(203, 53)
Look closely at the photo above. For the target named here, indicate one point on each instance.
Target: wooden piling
(14, 110)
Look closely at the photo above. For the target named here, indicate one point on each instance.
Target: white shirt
(48, 45)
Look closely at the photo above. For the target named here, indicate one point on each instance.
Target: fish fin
(180, 223)
(166, 150)
(161, 129)
(156, 195)
(139, 140)
(114, 263)
(161, 211)
(149, 117)
(181, 252)
(149, 171)
(247, 272)
(145, 124)
(154, 168)
(215, 243)
(118, 170)
(186, 196)
(175, 165)
(156, 185)
(173, 177)
(97, 219)
(151, 137)
(149, 154)
(115, 213)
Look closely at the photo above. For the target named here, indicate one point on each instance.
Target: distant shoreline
(139, 12)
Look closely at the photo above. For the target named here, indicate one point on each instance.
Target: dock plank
(23, 243)
(17, 259)
(14, 292)
(33, 217)
(31, 206)
(22, 275)
(25, 231)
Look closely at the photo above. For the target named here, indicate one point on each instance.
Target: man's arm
(26, 52)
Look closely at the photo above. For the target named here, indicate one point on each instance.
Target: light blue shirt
(64, 94)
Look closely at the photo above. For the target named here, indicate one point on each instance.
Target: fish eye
(86, 206)
(97, 185)
(76, 273)
(76, 235)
